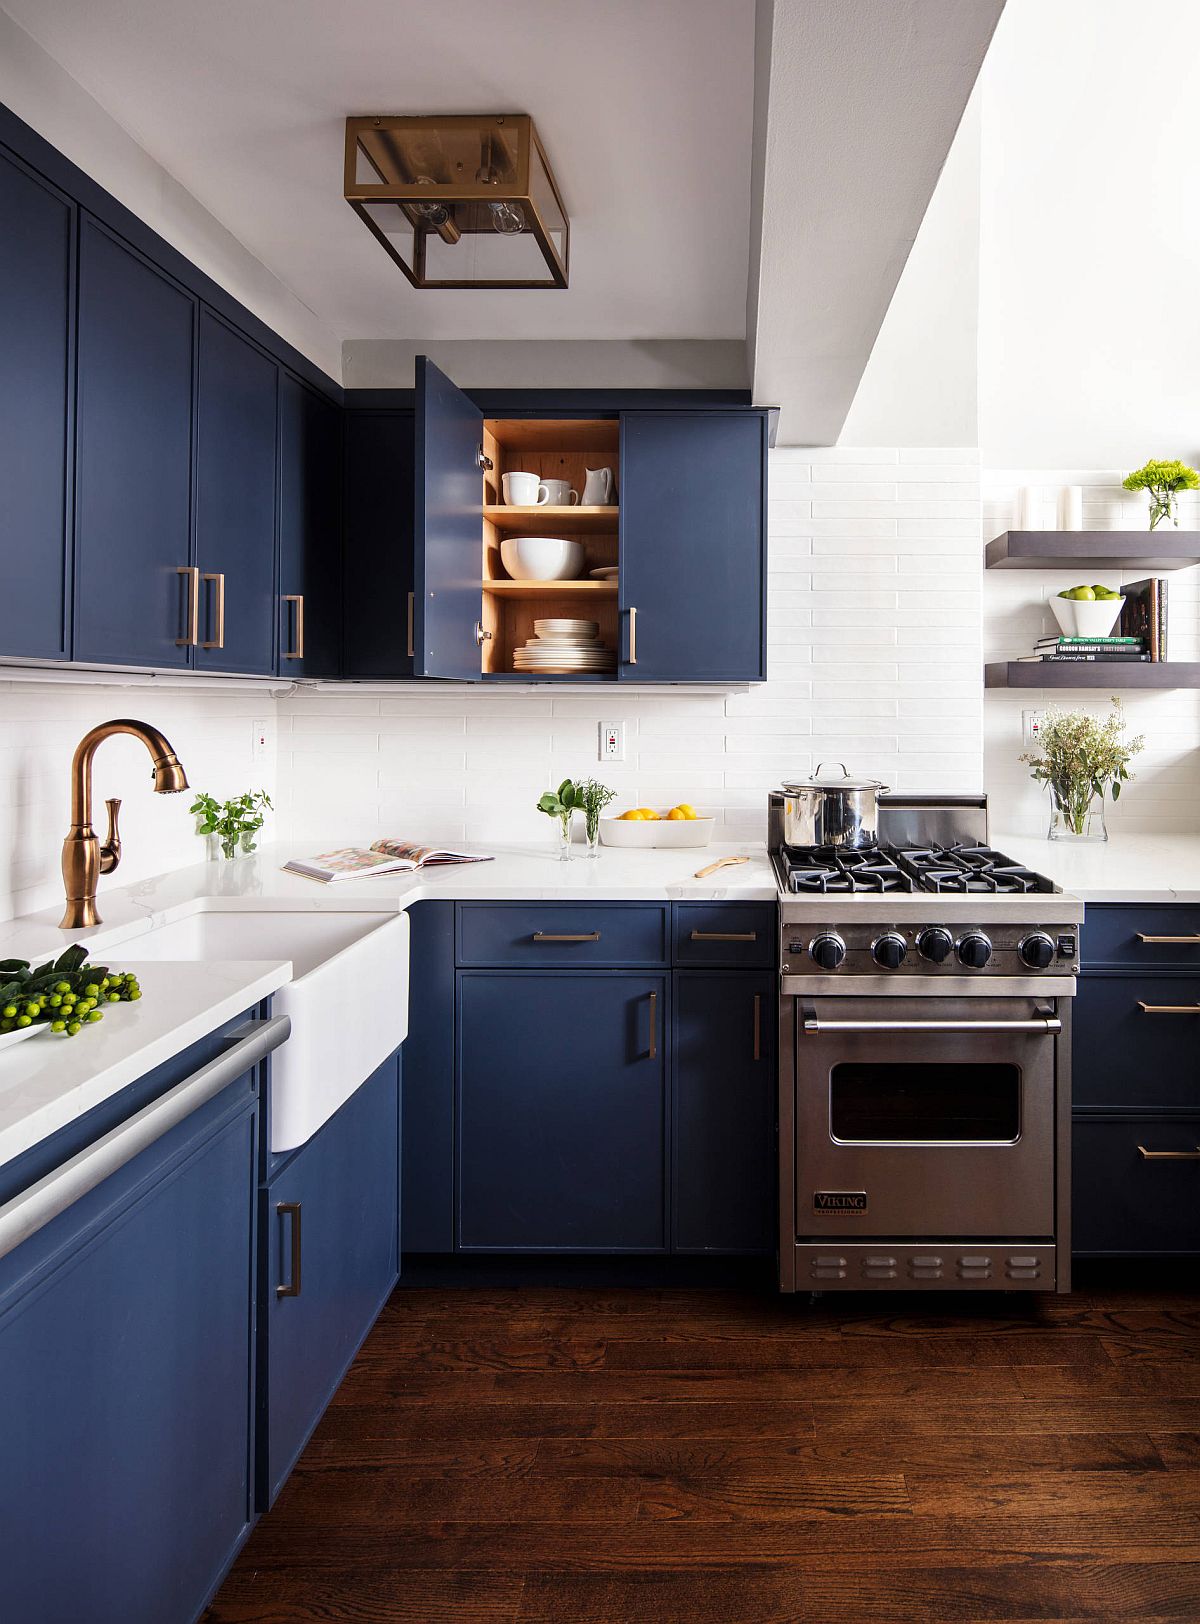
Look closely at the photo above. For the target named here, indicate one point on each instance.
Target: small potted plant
(561, 804)
(1164, 481)
(1079, 757)
(234, 823)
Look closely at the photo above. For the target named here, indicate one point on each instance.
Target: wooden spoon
(721, 862)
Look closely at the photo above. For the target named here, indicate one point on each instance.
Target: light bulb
(508, 218)
(436, 213)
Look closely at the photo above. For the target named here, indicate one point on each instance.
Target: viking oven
(924, 1061)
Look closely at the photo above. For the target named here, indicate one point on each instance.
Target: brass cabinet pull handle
(1168, 1009)
(653, 1026)
(758, 1026)
(1169, 941)
(724, 936)
(192, 612)
(412, 610)
(291, 1209)
(1169, 1155)
(582, 936)
(297, 653)
(219, 640)
(633, 636)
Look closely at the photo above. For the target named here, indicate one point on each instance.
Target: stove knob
(889, 950)
(828, 950)
(1036, 950)
(935, 944)
(974, 950)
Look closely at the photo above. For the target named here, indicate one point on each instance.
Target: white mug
(598, 487)
(559, 493)
(524, 490)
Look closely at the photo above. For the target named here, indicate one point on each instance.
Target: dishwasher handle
(59, 1189)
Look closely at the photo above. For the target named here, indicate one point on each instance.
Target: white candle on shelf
(1070, 507)
(1027, 508)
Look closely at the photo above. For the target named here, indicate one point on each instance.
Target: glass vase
(1076, 815)
(1164, 508)
(591, 828)
(563, 826)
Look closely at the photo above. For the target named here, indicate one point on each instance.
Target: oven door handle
(1042, 1024)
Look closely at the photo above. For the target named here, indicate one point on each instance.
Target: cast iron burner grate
(816, 869)
(967, 869)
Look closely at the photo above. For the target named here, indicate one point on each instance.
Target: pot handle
(840, 764)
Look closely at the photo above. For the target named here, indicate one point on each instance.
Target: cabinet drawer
(537, 935)
(1125, 1202)
(1134, 1058)
(734, 934)
(1113, 932)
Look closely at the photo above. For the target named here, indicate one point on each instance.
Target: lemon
(677, 815)
(650, 815)
(688, 810)
(632, 816)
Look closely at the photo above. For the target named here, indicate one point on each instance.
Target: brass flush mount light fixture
(460, 202)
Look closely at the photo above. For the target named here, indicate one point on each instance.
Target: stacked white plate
(563, 647)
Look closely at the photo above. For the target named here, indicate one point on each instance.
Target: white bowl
(661, 832)
(542, 558)
(1084, 617)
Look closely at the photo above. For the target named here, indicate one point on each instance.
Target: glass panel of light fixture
(486, 254)
(394, 224)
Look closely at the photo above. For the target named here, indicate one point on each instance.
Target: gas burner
(959, 869)
(816, 869)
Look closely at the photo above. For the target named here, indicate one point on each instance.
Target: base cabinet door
(330, 1258)
(561, 1111)
(1135, 1185)
(723, 1152)
(126, 1367)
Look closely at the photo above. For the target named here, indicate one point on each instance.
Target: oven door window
(893, 1103)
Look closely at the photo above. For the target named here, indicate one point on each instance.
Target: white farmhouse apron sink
(348, 999)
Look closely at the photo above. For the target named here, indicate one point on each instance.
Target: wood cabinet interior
(558, 448)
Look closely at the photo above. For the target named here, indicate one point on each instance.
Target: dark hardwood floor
(600, 1455)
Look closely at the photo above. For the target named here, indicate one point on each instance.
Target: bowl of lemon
(646, 826)
(1087, 611)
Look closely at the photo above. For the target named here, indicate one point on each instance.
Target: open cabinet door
(448, 528)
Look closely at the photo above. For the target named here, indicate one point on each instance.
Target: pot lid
(839, 780)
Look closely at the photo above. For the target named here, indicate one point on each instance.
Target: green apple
(1085, 594)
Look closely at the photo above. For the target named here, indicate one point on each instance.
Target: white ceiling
(645, 108)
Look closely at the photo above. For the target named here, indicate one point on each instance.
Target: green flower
(1163, 476)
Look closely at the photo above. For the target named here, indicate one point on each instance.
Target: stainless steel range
(924, 1100)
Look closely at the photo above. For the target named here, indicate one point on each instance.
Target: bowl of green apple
(1087, 611)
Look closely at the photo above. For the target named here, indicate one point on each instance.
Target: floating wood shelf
(1094, 550)
(551, 589)
(552, 521)
(1109, 674)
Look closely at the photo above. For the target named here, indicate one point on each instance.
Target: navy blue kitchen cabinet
(723, 1112)
(310, 552)
(379, 545)
(562, 1111)
(1136, 1082)
(236, 431)
(135, 591)
(127, 1367)
(330, 1258)
(427, 1136)
(693, 546)
(37, 334)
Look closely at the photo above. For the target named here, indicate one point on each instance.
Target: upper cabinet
(669, 555)
(378, 470)
(136, 598)
(236, 428)
(37, 252)
(310, 553)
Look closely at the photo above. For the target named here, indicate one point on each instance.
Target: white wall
(651, 363)
(874, 660)
(38, 90)
(40, 725)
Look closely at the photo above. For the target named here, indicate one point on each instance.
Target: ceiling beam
(856, 104)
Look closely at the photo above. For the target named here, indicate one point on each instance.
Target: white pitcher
(597, 487)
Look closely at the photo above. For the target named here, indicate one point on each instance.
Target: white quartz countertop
(49, 1081)
(1125, 868)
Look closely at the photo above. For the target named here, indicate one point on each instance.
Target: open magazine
(381, 857)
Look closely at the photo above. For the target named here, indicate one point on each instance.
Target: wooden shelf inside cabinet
(1108, 674)
(1094, 550)
(552, 521)
(551, 589)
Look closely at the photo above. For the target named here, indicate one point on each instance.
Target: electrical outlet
(1031, 727)
(612, 741)
(260, 740)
